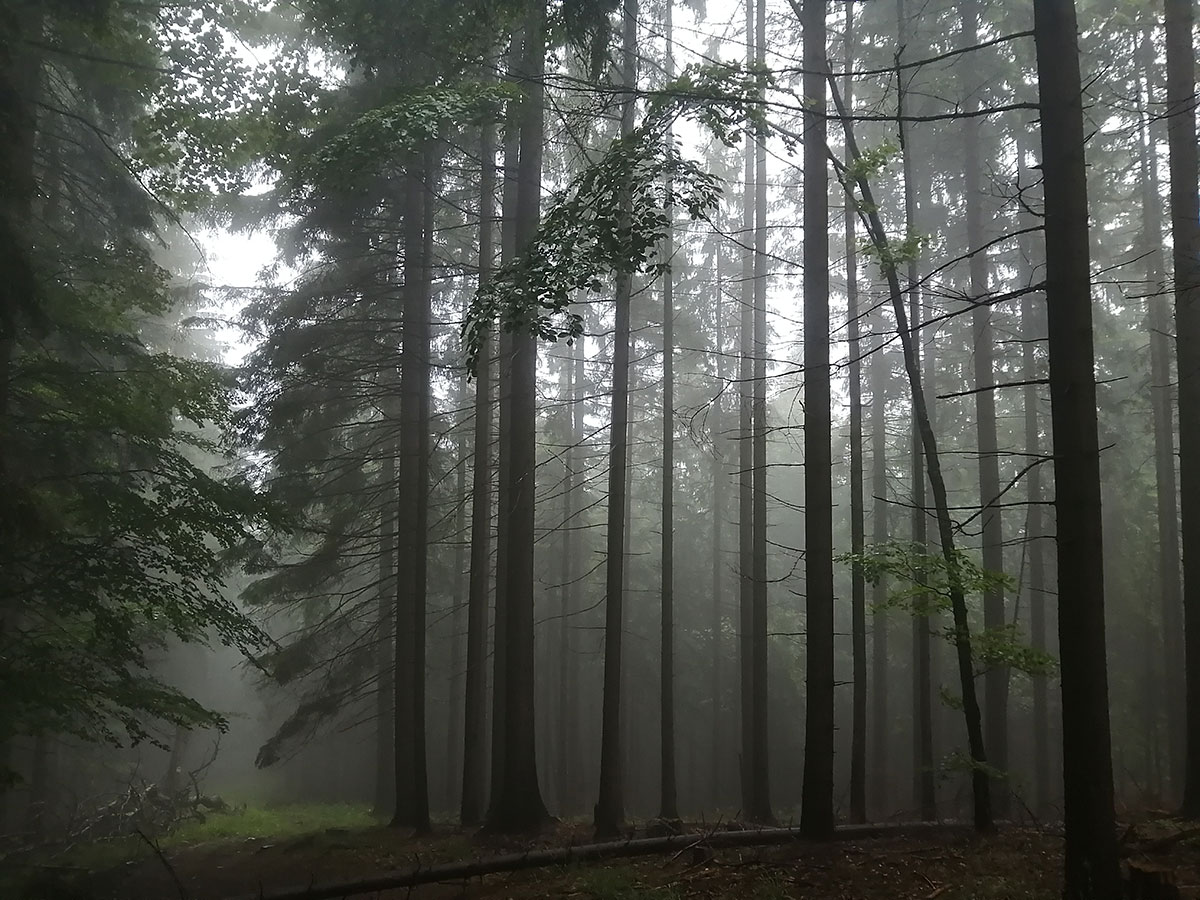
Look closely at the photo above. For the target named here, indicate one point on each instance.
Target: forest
(610, 449)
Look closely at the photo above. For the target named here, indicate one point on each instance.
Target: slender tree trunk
(746, 467)
(475, 717)
(566, 772)
(669, 804)
(983, 354)
(880, 534)
(610, 813)
(816, 811)
(858, 582)
(412, 804)
(1158, 322)
(1032, 331)
(458, 619)
(962, 633)
(1091, 848)
(924, 783)
(717, 779)
(1185, 227)
(385, 692)
(761, 809)
(518, 805)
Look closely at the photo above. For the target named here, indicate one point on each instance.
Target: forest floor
(950, 864)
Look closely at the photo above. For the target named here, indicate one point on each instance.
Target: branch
(533, 859)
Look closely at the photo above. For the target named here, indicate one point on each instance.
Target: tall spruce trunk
(1185, 228)
(1091, 853)
(1158, 324)
(565, 773)
(816, 805)
(858, 582)
(995, 679)
(1033, 331)
(717, 774)
(610, 813)
(924, 784)
(412, 791)
(668, 802)
(508, 250)
(385, 692)
(474, 770)
(760, 810)
(517, 799)
(746, 467)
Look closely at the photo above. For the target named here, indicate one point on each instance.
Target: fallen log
(584, 853)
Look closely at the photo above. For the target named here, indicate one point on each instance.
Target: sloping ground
(1018, 864)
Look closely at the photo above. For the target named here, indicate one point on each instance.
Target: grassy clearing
(292, 820)
(283, 822)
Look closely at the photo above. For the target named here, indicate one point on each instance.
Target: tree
(1091, 850)
(114, 529)
(983, 354)
(610, 808)
(475, 717)
(1185, 228)
(816, 815)
(669, 807)
(760, 810)
(858, 585)
(517, 801)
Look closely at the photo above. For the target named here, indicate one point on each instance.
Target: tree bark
(995, 679)
(1032, 331)
(924, 777)
(518, 802)
(475, 713)
(746, 468)
(1091, 854)
(610, 812)
(412, 799)
(1185, 228)
(816, 807)
(858, 582)
(669, 803)
(760, 810)
(717, 775)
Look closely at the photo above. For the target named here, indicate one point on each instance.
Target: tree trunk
(1158, 322)
(475, 715)
(610, 814)
(995, 681)
(924, 777)
(508, 250)
(458, 620)
(385, 692)
(518, 805)
(566, 772)
(669, 804)
(412, 800)
(746, 468)
(858, 582)
(1091, 848)
(717, 779)
(1032, 331)
(816, 811)
(1185, 227)
(760, 810)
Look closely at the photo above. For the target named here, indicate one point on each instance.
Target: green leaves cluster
(920, 584)
(609, 220)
